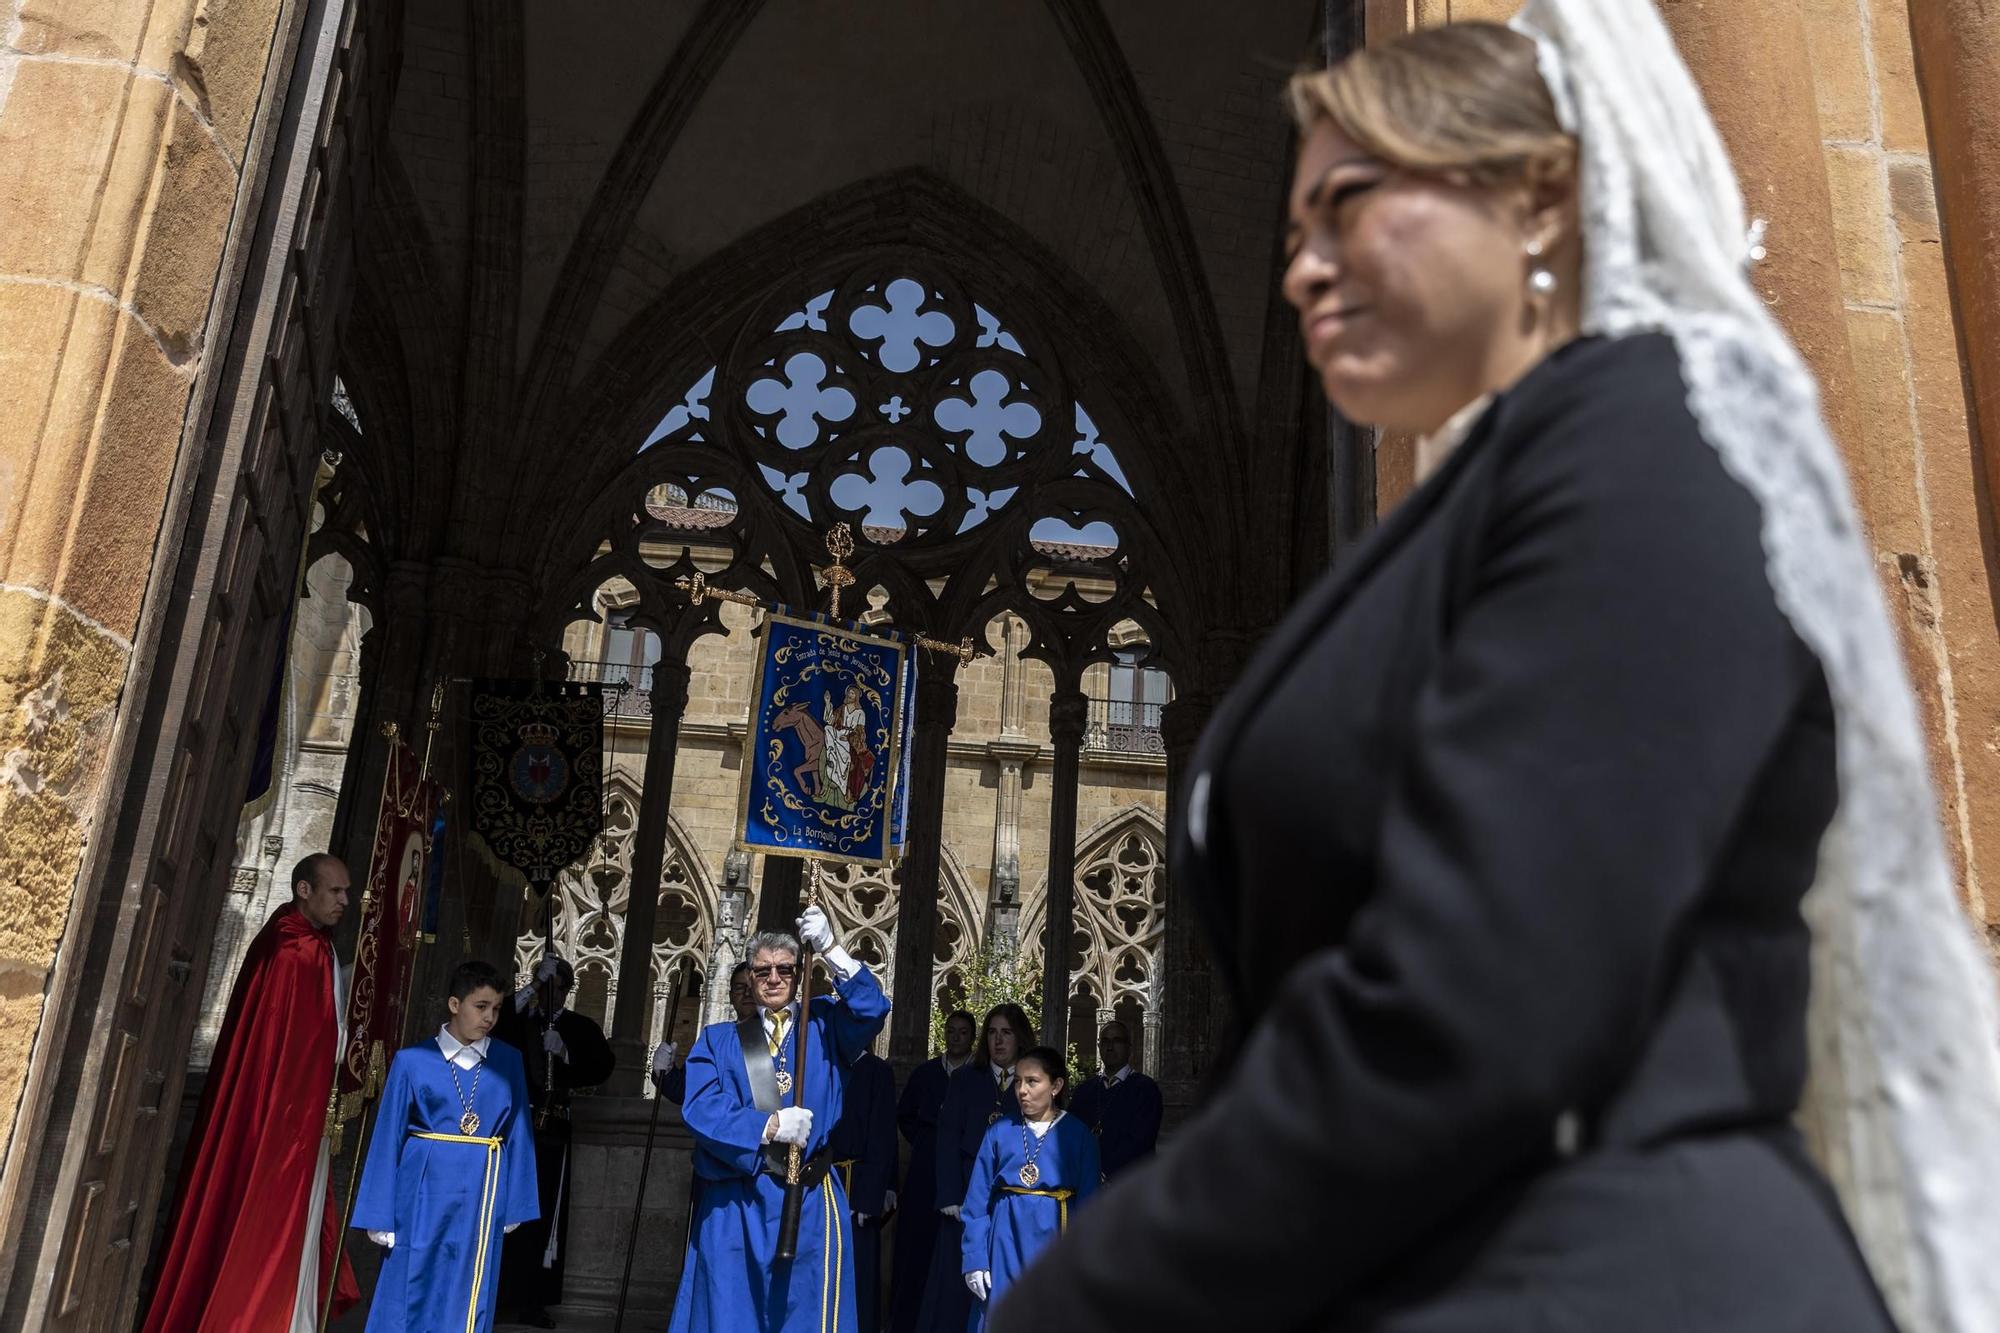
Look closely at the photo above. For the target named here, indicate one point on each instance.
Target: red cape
(232, 1261)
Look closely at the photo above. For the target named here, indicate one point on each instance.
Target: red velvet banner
(384, 953)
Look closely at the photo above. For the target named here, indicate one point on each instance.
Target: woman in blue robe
(732, 1280)
(975, 1099)
(450, 1170)
(1027, 1178)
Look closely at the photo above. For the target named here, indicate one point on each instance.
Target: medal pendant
(1030, 1173)
(468, 1124)
(784, 1082)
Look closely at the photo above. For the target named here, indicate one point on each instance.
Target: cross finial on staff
(837, 576)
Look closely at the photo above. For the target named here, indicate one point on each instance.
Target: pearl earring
(1540, 281)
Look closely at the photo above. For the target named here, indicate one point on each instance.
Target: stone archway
(1120, 932)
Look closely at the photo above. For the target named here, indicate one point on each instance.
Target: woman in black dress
(1505, 833)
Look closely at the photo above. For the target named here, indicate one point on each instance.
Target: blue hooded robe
(916, 1216)
(732, 1281)
(863, 1145)
(1124, 1115)
(1004, 1228)
(442, 1197)
(974, 1101)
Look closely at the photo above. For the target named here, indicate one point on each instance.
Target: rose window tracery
(894, 402)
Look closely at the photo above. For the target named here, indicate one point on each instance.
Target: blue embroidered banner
(822, 770)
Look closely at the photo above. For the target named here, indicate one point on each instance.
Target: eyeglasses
(769, 970)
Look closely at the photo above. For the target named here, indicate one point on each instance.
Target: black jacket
(1502, 838)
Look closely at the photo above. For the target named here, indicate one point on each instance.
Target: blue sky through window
(897, 332)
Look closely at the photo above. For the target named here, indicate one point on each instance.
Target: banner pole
(346, 1212)
(646, 1160)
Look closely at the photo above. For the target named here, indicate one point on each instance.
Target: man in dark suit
(564, 1051)
(1121, 1106)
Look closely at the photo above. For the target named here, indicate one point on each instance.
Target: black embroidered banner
(537, 749)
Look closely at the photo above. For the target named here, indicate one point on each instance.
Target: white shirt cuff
(841, 963)
(386, 1239)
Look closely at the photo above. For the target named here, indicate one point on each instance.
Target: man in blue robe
(863, 1145)
(917, 1220)
(450, 1168)
(1122, 1107)
(740, 1109)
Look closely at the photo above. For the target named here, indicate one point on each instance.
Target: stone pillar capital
(1069, 716)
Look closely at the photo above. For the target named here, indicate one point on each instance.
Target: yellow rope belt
(846, 1170)
(488, 1192)
(829, 1282)
(1062, 1198)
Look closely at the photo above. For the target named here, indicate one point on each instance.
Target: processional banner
(822, 770)
(537, 764)
(385, 951)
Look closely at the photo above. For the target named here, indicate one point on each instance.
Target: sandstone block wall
(123, 128)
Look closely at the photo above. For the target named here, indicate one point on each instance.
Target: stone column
(1756, 74)
(1958, 67)
(1010, 752)
(1069, 714)
(629, 1025)
(1192, 1027)
(780, 894)
(916, 905)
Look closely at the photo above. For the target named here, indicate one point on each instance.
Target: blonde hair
(1465, 98)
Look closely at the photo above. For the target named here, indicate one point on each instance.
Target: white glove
(546, 970)
(386, 1239)
(815, 931)
(508, 1230)
(552, 1042)
(795, 1125)
(979, 1284)
(888, 1202)
(950, 1210)
(663, 1057)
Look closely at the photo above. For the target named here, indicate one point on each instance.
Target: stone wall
(1916, 472)
(123, 127)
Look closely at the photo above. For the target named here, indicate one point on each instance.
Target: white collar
(1000, 1075)
(1115, 1079)
(1040, 1127)
(1441, 443)
(944, 1063)
(454, 1049)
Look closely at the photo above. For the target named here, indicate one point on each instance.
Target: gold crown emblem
(539, 733)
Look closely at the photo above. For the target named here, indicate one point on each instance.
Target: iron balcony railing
(1121, 726)
(628, 689)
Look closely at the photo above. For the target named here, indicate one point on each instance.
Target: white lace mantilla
(1904, 1101)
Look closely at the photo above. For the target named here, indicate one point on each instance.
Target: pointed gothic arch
(590, 904)
(1121, 892)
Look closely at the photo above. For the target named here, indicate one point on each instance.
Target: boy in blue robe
(450, 1170)
(975, 1099)
(917, 1220)
(739, 1109)
(1027, 1178)
(1121, 1106)
(863, 1146)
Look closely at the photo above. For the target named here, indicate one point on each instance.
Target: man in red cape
(255, 1225)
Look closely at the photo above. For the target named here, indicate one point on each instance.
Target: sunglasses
(769, 970)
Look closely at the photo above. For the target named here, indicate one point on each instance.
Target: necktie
(780, 1018)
